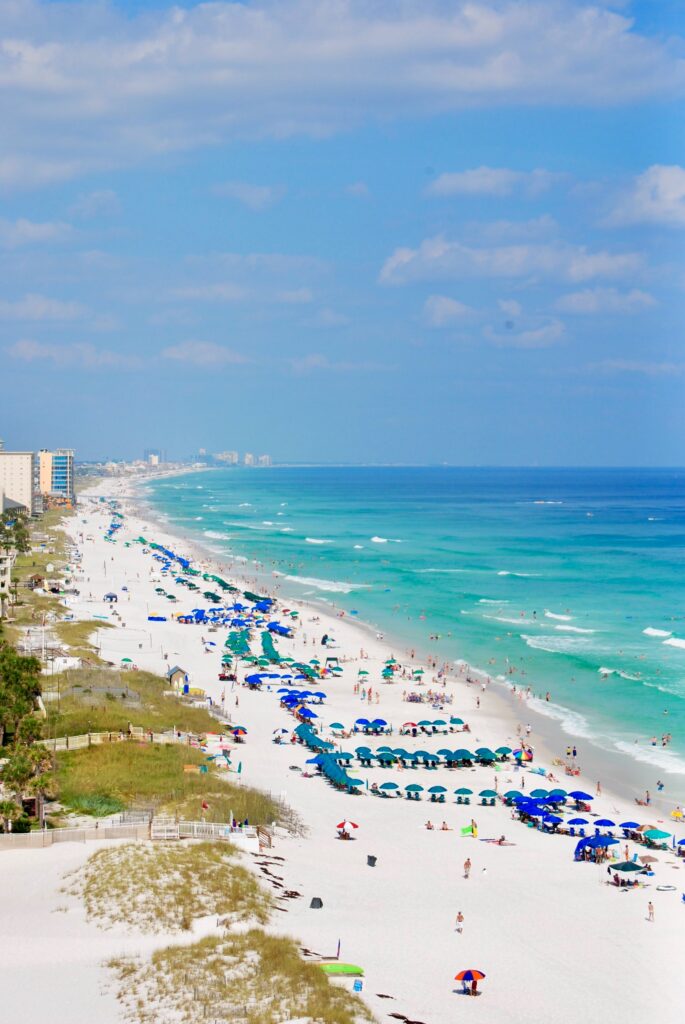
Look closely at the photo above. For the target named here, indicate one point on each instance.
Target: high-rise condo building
(264, 460)
(56, 475)
(19, 479)
(248, 459)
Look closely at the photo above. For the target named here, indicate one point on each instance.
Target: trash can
(316, 904)
(371, 860)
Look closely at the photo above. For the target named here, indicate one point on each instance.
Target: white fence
(246, 838)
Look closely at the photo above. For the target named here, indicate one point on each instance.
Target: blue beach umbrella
(577, 821)
(630, 824)
(578, 794)
(605, 823)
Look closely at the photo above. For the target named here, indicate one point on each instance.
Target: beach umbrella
(443, 752)
(409, 725)
(239, 731)
(577, 821)
(656, 833)
(336, 725)
(362, 672)
(362, 721)
(363, 750)
(401, 752)
(439, 721)
(627, 865)
(552, 819)
(539, 794)
(379, 722)
(126, 661)
(418, 671)
(386, 756)
(503, 751)
(409, 755)
(437, 789)
(414, 787)
(681, 842)
(425, 723)
(385, 749)
(648, 859)
(470, 975)
(319, 759)
(388, 786)
(578, 794)
(463, 791)
(345, 826)
(513, 794)
(463, 755)
(523, 755)
(456, 721)
(605, 823)
(489, 793)
(630, 824)
(561, 793)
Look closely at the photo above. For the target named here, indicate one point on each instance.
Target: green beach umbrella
(336, 725)
(463, 791)
(503, 751)
(487, 793)
(656, 833)
(350, 970)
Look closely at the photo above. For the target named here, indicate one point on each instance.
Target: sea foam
(316, 540)
(552, 615)
(674, 641)
(333, 586)
(656, 632)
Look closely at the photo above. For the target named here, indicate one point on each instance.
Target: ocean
(565, 580)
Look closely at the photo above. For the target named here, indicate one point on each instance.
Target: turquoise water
(570, 581)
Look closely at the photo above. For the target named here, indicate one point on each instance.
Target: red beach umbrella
(345, 826)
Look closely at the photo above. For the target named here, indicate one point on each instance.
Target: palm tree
(9, 811)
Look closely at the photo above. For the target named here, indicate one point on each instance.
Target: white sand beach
(556, 942)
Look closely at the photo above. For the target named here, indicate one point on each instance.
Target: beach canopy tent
(627, 866)
(594, 843)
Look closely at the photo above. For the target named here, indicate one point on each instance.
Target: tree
(14, 531)
(19, 688)
(9, 811)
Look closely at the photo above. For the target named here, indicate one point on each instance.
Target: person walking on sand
(599, 789)
(460, 922)
(474, 829)
(650, 911)
(467, 867)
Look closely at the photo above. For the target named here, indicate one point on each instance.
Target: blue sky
(416, 231)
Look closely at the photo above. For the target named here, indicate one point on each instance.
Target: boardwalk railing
(246, 837)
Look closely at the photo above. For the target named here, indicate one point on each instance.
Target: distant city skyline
(430, 232)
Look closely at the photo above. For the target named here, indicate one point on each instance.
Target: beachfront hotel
(19, 480)
(56, 476)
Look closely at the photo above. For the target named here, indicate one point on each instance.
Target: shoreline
(619, 773)
(395, 916)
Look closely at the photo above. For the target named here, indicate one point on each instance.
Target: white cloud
(317, 361)
(101, 203)
(442, 311)
(491, 181)
(638, 367)
(82, 355)
(439, 259)
(295, 296)
(510, 306)
(38, 307)
(203, 354)
(18, 233)
(541, 336)
(256, 197)
(499, 231)
(222, 291)
(327, 318)
(656, 197)
(114, 88)
(605, 300)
